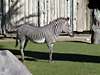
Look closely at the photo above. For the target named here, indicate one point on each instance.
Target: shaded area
(94, 4)
(6, 16)
(65, 57)
(8, 25)
(34, 55)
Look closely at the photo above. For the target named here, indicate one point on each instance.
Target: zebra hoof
(51, 61)
(22, 60)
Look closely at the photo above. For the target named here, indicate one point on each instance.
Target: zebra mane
(57, 24)
(60, 18)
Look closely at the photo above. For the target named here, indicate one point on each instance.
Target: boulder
(10, 65)
(96, 35)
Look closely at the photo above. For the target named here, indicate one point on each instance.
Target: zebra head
(67, 28)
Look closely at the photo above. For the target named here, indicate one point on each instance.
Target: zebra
(46, 34)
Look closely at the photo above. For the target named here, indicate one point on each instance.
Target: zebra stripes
(47, 34)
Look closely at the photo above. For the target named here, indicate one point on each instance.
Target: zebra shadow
(63, 57)
(35, 55)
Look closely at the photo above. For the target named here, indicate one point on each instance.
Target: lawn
(70, 58)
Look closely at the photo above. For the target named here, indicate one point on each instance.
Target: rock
(10, 65)
(96, 36)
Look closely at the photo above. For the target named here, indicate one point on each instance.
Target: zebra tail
(16, 41)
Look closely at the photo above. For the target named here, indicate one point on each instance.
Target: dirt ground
(82, 38)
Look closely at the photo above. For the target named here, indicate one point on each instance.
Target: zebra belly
(42, 40)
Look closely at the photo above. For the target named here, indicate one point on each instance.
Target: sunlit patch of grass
(80, 58)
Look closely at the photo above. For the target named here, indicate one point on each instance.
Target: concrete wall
(47, 10)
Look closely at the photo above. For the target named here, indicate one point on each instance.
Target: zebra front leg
(22, 44)
(50, 46)
(22, 55)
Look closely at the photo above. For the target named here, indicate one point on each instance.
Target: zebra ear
(68, 18)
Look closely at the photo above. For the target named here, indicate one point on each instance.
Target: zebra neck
(57, 31)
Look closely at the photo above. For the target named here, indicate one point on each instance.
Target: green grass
(72, 58)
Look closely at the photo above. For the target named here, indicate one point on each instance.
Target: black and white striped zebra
(46, 34)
